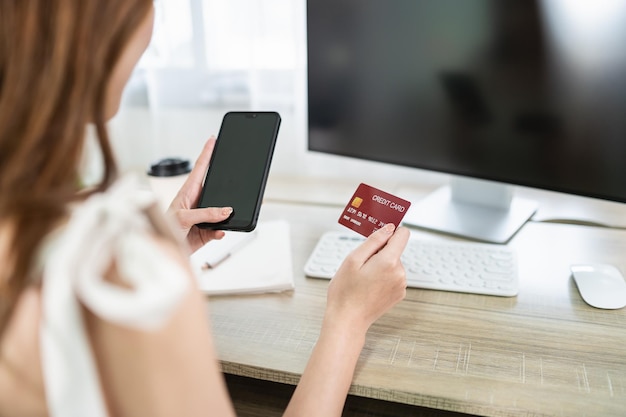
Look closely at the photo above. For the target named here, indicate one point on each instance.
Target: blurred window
(216, 52)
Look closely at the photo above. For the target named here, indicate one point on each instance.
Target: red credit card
(369, 209)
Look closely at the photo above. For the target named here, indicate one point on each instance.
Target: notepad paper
(263, 264)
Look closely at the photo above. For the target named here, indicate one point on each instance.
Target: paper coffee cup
(166, 177)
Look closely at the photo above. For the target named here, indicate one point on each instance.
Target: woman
(99, 313)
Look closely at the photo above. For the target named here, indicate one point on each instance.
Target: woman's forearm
(324, 385)
(369, 282)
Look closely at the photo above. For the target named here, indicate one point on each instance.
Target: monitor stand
(476, 209)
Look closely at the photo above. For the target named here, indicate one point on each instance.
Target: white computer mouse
(600, 285)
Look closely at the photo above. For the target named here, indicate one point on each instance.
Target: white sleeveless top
(111, 225)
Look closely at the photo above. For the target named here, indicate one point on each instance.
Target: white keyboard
(476, 268)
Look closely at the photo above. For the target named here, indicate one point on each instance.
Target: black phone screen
(239, 167)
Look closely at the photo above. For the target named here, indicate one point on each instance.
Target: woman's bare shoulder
(21, 380)
(21, 385)
(177, 356)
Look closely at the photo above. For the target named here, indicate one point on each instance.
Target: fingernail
(389, 227)
(227, 210)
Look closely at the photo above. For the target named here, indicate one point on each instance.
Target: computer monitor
(496, 93)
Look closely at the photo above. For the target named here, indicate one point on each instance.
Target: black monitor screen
(516, 91)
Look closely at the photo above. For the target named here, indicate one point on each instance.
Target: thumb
(187, 218)
(373, 243)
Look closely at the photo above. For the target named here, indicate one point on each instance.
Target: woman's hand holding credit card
(370, 209)
(369, 282)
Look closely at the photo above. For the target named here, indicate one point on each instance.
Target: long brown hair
(56, 61)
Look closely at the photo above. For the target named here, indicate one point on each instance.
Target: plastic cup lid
(169, 167)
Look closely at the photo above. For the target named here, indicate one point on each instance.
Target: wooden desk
(542, 353)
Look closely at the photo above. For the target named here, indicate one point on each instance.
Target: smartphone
(239, 168)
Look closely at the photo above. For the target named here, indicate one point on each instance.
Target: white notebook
(258, 262)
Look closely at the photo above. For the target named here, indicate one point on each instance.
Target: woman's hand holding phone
(183, 206)
(239, 168)
(229, 196)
